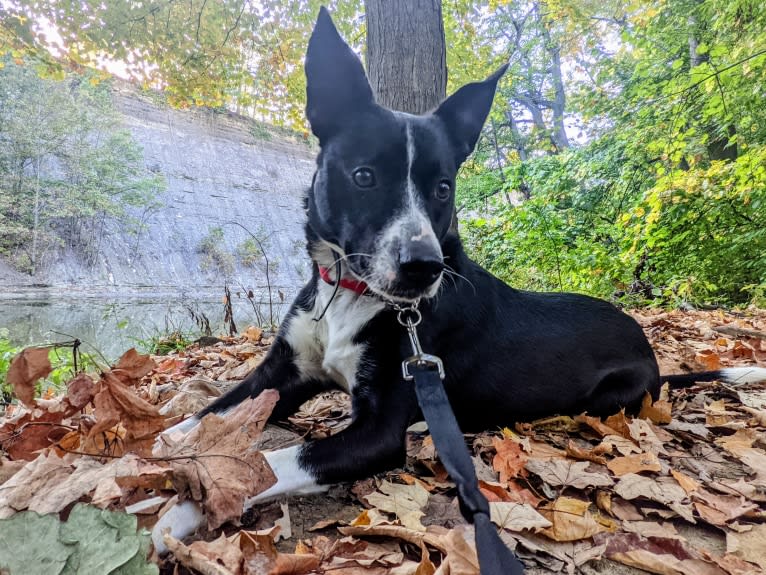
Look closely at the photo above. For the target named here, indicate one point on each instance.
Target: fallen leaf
(623, 445)
(425, 567)
(664, 556)
(192, 395)
(404, 501)
(30, 544)
(656, 411)
(716, 414)
(25, 369)
(253, 334)
(750, 545)
(662, 490)
(720, 509)
(107, 542)
(514, 493)
(709, 359)
(116, 403)
(132, 366)
(461, 555)
(33, 431)
(80, 391)
(215, 463)
(620, 423)
(283, 523)
(194, 559)
(688, 484)
(38, 476)
(220, 551)
(595, 454)
(566, 473)
(516, 516)
(651, 529)
(650, 438)
(509, 460)
(597, 425)
(431, 539)
(570, 519)
(634, 464)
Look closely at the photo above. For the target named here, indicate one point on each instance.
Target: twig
(739, 331)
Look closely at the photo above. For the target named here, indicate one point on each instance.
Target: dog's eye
(443, 190)
(364, 178)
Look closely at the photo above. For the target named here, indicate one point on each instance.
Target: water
(113, 325)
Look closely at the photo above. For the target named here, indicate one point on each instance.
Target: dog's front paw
(182, 520)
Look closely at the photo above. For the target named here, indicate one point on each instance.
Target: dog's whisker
(452, 273)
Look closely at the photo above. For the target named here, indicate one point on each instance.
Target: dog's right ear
(336, 85)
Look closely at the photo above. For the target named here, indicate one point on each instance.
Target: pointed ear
(336, 84)
(465, 111)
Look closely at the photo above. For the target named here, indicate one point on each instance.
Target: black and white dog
(380, 205)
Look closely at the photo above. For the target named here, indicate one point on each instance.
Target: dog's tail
(731, 375)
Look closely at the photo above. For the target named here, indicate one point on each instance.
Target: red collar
(356, 286)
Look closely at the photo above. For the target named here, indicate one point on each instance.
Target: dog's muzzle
(419, 268)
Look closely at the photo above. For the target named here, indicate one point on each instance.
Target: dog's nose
(419, 266)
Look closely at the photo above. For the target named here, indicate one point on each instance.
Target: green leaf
(30, 545)
(107, 541)
(91, 542)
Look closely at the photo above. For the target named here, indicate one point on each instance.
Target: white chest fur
(325, 348)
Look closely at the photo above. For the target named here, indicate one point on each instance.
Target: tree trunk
(406, 54)
(559, 135)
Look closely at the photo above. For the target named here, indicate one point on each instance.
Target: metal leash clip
(410, 318)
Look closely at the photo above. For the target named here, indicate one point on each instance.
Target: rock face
(220, 168)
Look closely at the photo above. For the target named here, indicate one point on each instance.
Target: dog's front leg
(293, 367)
(373, 442)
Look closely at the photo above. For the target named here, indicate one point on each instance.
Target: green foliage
(249, 252)
(62, 361)
(164, 344)
(91, 542)
(247, 55)
(65, 171)
(214, 256)
(666, 200)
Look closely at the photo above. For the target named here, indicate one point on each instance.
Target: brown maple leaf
(132, 366)
(509, 460)
(116, 403)
(26, 368)
(216, 463)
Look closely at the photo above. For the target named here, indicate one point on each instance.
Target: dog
(378, 233)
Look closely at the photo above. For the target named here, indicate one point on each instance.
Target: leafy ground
(680, 489)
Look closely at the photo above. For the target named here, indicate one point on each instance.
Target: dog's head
(384, 190)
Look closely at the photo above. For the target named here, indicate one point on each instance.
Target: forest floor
(680, 489)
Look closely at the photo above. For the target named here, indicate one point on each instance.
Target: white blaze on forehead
(415, 211)
(410, 161)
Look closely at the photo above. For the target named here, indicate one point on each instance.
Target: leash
(427, 371)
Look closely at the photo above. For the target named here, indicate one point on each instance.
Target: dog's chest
(327, 348)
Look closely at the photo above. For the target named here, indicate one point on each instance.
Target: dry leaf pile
(678, 489)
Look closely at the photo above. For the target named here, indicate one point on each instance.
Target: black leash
(428, 372)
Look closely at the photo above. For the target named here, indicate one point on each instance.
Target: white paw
(292, 479)
(182, 519)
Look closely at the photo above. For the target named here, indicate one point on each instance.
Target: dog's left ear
(465, 111)
(336, 85)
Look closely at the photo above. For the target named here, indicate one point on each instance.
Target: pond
(111, 325)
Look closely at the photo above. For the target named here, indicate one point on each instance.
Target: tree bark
(406, 54)
(559, 135)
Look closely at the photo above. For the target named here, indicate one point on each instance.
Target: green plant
(62, 360)
(166, 343)
(213, 254)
